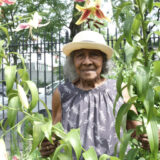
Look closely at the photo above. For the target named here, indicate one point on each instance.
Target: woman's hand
(47, 148)
(145, 142)
(143, 138)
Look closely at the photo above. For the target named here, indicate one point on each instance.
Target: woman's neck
(88, 84)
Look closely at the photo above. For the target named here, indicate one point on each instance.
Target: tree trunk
(73, 27)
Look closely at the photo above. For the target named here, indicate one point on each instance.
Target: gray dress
(92, 112)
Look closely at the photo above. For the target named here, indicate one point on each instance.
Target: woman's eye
(79, 55)
(94, 55)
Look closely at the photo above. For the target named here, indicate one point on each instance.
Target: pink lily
(22, 26)
(33, 23)
(7, 2)
(14, 158)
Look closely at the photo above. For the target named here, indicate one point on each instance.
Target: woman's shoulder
(65, 87)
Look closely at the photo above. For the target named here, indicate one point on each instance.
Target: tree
(57, 12)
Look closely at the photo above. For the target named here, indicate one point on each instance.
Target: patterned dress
(92, 112)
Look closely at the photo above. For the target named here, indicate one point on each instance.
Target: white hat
(88, 40)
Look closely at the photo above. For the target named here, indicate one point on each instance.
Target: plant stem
(144, 38)
(59, 130)
(13, 127)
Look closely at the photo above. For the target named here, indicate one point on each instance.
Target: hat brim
(72, 46)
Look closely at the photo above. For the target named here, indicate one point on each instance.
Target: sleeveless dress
(92, 112)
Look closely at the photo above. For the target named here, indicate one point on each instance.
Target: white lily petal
(3, 152)
(23, 97)
(41, 25)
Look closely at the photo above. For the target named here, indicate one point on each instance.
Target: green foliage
(90, 154)
(139, 70)
(56, 12)
(23, 97)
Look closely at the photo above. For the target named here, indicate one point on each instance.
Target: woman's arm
(48, 148)
(56, 107)
(132, 124)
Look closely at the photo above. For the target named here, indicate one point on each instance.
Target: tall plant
(22, 97)
(138, 21)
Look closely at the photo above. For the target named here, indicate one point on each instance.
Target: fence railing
(44, 60)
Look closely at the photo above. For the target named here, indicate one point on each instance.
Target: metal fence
(44, 60)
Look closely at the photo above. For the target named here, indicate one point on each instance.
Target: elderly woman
(86, 100)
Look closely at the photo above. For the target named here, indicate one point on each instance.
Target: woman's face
(88, 63)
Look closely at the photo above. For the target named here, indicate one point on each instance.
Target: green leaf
(157, 32)
(19, 128)
(34, 92)
(119, 82)
(59, 130)
(120, 8)
(142, 80)
(149, 102)
(19, 131)
(121, 113)
(150, 5)
(48, 112)
(156, 68)
(106, 157)
(115, 102)
(157, 4)
(152, 132)
(124, 143)
(133, 116)
(0, 62)
(129, 52)
(38, 117)
(128, 28)
(73, 137)
(23, 74)
(12, 93)
(136, 24)
(38, 135)
(64, 156)
(10, 75)
(22, 96)
(157, 93)
(21, 58)
(2, 52)
(90, 154)
(118, 43)
(143, 4)
(14, 105)
(6, 33)
(60, 155)
(131, 154)
(47, 130)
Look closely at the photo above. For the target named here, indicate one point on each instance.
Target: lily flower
(3, 152)
(15, 158)
(33, 23)
(90, 8)
(7, 2)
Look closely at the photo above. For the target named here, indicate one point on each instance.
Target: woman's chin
(89, 78)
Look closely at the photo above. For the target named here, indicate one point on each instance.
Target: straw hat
(88, 40)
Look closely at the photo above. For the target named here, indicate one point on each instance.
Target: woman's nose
(87, 60)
